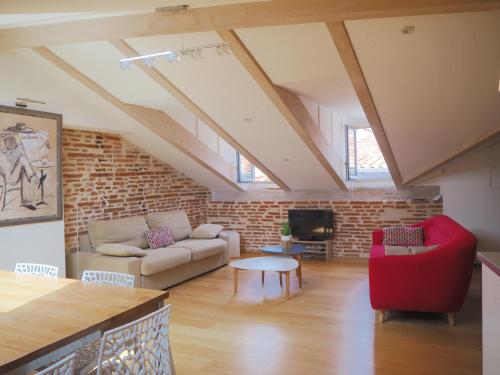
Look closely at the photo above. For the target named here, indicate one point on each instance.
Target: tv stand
(315, 248)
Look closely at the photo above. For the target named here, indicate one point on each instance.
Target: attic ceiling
(434, 90)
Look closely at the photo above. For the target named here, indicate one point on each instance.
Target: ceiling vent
(172, 8)
(408, 29)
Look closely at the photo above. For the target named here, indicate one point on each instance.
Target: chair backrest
(34, 269)
(108, 278)
(140, 347)
(65, 366)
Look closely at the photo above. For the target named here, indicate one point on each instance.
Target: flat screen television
(312, 224)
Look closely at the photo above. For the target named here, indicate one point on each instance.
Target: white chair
(65, 366)
(34, 269)
(108, 278)
(140, 347)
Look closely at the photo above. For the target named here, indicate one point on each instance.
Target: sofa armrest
(85, 260)
(233, 242)
(378, 237)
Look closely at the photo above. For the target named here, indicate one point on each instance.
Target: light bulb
(172, 57)
(149, 62)
(125, 64)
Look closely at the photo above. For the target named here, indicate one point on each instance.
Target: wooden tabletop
(271, 263)
(39, 315)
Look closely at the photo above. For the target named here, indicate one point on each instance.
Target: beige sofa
(159, 268)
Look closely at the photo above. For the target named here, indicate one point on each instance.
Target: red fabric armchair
(434, 281)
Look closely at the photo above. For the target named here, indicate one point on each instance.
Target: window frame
(253, 181)
(238, 170)
(358, 175)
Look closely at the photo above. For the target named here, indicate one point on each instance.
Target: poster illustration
(30, 166)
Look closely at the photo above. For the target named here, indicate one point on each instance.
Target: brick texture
(133, 182)
(259, 222)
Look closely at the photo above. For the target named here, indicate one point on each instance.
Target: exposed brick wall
(133, 182)
(259, 222)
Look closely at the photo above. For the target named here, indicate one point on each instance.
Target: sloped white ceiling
(100, 62)
(435, 89)
(222, 87)
(25, 74)
(304, 59)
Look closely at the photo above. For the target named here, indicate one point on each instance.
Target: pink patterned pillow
(159, 237)
(403, 236)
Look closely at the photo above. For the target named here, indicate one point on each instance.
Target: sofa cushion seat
(164, 258)
(202, 248)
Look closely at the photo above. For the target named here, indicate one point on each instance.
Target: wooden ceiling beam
(346, 51)
(289, 105)
(226, 17)
(74, 6)
(470, 145)
(157, 121)
(173, 90)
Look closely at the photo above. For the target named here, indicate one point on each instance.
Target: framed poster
(30, 166)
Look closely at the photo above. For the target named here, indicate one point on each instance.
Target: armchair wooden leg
(451, 319)
(381, 316)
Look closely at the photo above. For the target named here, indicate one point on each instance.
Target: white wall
(470, 198)
(34, 243)
(331, 124)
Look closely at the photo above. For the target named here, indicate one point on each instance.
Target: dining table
(41, 315)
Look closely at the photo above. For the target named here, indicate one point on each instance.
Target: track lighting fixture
(149, 62)
(172, 57)
(223, 50)
(125, 64)
(196, 53)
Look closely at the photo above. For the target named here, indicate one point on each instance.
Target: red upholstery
(435, 281)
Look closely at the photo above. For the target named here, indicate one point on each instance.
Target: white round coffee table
(280, 264)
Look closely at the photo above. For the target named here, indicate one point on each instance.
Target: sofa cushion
(159, 237)
(397, 250)
(127, 231)
(164, 258)
(120, 250)
(176, 221)
(206, 231)
(203, 248)
(403, 236)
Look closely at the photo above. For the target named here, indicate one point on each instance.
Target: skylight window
(364, 158)
(247, 172)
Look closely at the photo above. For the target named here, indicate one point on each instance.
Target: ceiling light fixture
(196, 53)
(223, 50)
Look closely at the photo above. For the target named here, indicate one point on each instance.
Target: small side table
(295, 252)
(233, 242)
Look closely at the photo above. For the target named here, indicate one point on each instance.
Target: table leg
(235, 281)
(287, 274)
(262, 277)
(281, 280)
(299, 270)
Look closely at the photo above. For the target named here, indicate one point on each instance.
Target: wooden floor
(327, 327)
